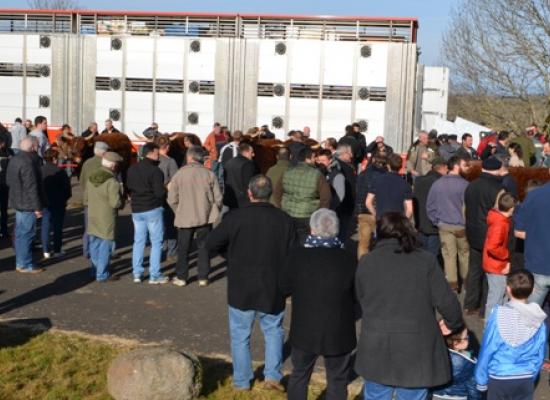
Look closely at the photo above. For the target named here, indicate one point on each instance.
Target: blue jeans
(496, 294)
(376, 391)
(431, 243)
(85, 238)
(542, 284)
(240, 328)
(148, 222)
(52, 221)
(100, 255)
(25, 224)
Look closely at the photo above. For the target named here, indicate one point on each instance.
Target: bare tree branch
(54, 4)
(501, 49)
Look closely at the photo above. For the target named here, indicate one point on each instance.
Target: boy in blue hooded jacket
(512, 349)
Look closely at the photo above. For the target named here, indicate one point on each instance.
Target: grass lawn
(57, 366)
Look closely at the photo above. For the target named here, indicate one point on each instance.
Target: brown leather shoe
(111, 278)
(273, 386)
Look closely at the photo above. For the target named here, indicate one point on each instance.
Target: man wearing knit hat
(480, 196)
(104, 197)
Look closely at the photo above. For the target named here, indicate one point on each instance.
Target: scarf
(318, 241)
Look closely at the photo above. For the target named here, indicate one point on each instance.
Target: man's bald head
(26, 144)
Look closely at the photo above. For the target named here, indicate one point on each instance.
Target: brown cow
(179, 143)
(521, 175)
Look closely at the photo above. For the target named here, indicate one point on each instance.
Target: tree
(500, 49)
(53, 4)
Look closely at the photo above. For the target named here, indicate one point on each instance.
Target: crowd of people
(330, 225)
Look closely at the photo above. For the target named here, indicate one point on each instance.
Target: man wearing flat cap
(89, 167)
(104, 197)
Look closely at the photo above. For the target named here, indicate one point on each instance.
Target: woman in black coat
(400, 287)
(320, 278)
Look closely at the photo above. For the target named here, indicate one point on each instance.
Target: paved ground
(190, 318)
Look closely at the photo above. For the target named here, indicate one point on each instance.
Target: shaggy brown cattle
(265, 151)
(179, 142)
(118, 142)
(520, 174)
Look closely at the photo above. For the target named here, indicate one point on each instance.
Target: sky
(433, 15)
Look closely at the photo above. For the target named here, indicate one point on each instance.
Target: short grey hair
(324, 223)
(196, 153)
(100, 148)
(26, 144)
(343, 148)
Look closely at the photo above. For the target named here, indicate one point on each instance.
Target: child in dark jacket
(496, 253)
(512, 350)
(463, 384)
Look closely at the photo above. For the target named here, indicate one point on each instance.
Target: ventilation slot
(304, 91)
(169, 86)
(337, 92)
(139, 85)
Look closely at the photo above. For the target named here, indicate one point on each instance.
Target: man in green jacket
(301, 191)
(89, 166)
(104, 197)
(275, 173)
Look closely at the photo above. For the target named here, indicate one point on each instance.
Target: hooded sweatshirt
(513, 343)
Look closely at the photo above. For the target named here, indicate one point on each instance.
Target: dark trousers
(337, 370)
(185, 238)
(511, 389)
(431, 243)
(4, 191)
(476, 282)
(302, 229)
(52, 222)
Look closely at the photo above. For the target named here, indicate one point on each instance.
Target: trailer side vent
(193, 118)
(280, 48)
(116, 44)
(194, 87)
(363, 93)
(43, 101)
(304, 91)
(44, 71)
(366, 51)
(278, 90)
(114, 114)
(45, 42)
(115, 84)
(363, 125)
(195, 46)
(277, 122)
(334, 92)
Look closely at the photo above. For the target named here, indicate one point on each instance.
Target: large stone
(154, 373)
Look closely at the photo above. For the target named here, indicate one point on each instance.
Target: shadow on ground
(17, 332)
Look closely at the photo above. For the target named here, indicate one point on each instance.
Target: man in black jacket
(238, 172)
(257, 238)
(147, 191)
(429, 234)
(321, 280)
(26, 196)
(480, 196)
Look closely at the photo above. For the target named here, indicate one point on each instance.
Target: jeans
(376, 391)
(453, 244)
(85, 239)
(496, 294)
(337, 371)
(4, 192)
(476, 283)
(148, 223)
(52, 221)
(240, 328)
(431, 243)
(511, 389)
(185, 236)
(542, 284)
(25, 224)
(100, 255)
(366, 228)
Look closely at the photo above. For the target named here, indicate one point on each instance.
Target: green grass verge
(59, 366)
